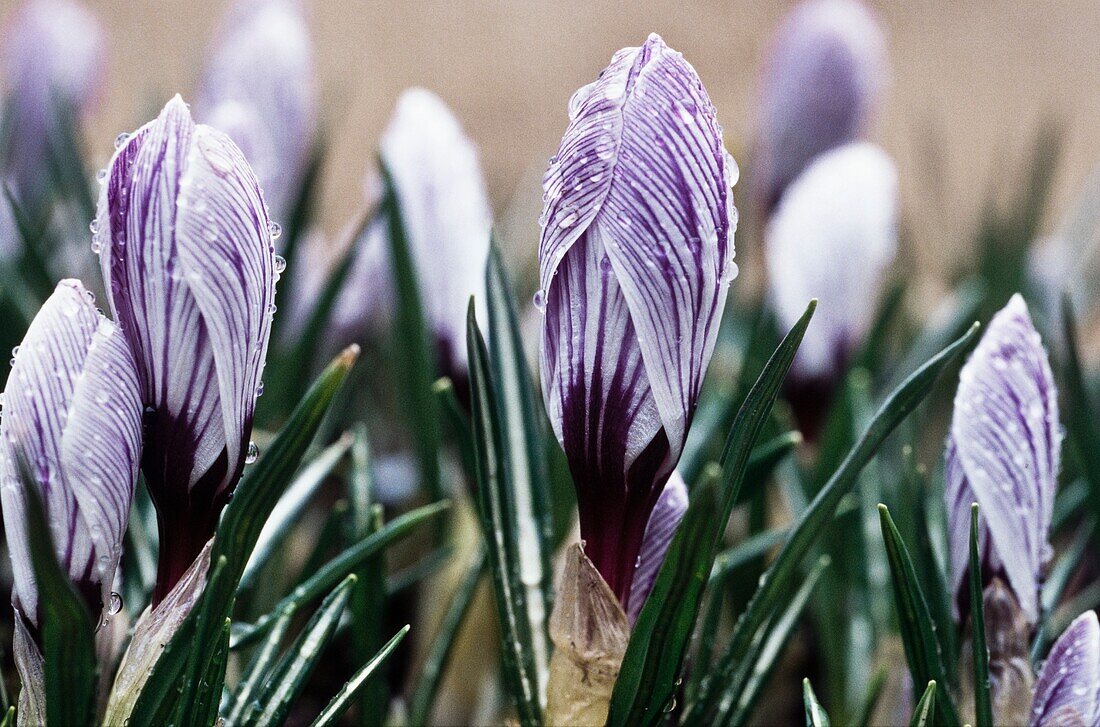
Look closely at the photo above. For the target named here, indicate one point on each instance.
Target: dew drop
(259, 389)
(274, 229)
(121, 139)
(101, 176)
(253, 453)
(114, 603)
(729, 273)
(94, 226)
(568, 221)
(280, 264)
(539, 301)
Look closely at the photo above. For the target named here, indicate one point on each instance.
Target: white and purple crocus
(72, 430)
(54, 57)
(1067, 692)
(635, 261)
(259, 88)
(1003, 452)
(822, 79)
(189, 266)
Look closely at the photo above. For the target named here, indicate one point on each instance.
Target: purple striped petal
(1068, 689)
(635, 261)
(445, 210)
(72, 412)
(188, 259)
(1007, 441)
(53, 55)
(821, 80)
(832, 237)
(263, 66)
(663, 521)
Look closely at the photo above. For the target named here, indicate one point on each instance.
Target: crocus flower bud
(1003, 452)
(259, 88)
(72, 419)
(832, 237)
(189, 265)
(54, 59)
(663, 521)
(1068, 689)
(635, 261)
(822, 79)
(445, 210)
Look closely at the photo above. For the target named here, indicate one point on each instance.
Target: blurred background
(971, 85)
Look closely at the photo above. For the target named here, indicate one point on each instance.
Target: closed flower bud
(188, 261)
(1003, 452)
(259, 88)
(72, 421)
(54, 56)
(635, 260)
(1068, 689)
(445, 211)
(822, 78)
(832, 237)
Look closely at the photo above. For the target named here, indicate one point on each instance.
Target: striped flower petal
(832, 237)
(263, 66)
(72, 413)
(663, 521)
(188, 259)
(1068, 689)
(635, 261)
(446, 214)
(1007, 438)
(822, 78)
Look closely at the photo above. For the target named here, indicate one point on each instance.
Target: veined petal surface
(1007, 438)
(187, 256)
(72, 413)
(663, 521)
(1068, 689)
(635, 260)
(832, 237)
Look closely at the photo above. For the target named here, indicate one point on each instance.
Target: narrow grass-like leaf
(68, 647)
(368, 597)
(290, 674)
(415, 354)
(344, 698)
(290, 506)
(258, 670)
(815, 713)
(983, 708)
(458, 426)
(9, 717)
(777, 583)
(1054, 587)
(923, 715)
(874, 694)
(659, 642)
(918, 632)
(763, 461)
(423, 697)
(337, 569)
(746, 551)
(523, 662)
(771, 645)
(178, 678)
(206, 710)
(1079, 412)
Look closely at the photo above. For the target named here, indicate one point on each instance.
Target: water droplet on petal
(280, 264)
(101, 176)
(568, 221)
(253, 453)
(539, 301)
(259, 389)
(121, 139)
(275, 229)
(94, 226)
(114, 603)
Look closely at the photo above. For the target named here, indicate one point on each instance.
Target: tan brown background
(973, 79)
